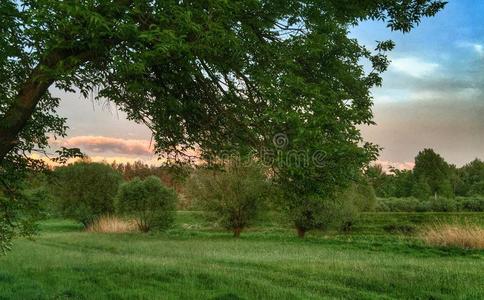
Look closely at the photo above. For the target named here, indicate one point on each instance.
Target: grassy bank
(194, 260)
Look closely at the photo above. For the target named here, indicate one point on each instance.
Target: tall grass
(112, 224)
(466, 236)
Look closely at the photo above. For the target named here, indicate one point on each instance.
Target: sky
(432, 97)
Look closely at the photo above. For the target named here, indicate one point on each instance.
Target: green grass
(195, 261)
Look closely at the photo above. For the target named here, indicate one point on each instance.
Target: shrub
(470, 203)
(149, 202)
(443, 205)
(233, 196)
(408, 204)
(474, 203)
(112, 224)
(311, 212)
(341, 211)
(85, 191)
(465, 236)
(351, 202)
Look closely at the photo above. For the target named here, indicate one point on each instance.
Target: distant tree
(233, 196)
(431, 169)
(84, 191)
(471, 179)
(403, 181)
(421, 189)
(149, 202)
(382, 183)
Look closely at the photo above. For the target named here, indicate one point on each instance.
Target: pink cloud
(387, 165)
(103, 145)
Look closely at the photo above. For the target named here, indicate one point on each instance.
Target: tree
(359, 197)
(85, 191)
(150, 203)
(219, 75)
(421, 189)
(431, 169)
(233, 196)
(382, 183)
(471, 179)
(170, 175)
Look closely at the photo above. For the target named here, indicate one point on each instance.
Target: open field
(194, 260)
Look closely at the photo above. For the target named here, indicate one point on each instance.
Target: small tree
(234, 196)
(432, 169)
(149, 202)
(340, 210)
(84, 190)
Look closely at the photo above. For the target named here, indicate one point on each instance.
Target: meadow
(195, 260)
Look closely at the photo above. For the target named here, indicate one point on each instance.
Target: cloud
(477, 48)
(388, 165)
(413, 66)
(152, 161)
(104, 145)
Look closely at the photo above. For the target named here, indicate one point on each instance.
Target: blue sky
(432, 96)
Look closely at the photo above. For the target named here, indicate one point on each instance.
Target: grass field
(195, 261)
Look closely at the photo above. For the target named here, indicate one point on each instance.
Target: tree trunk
(237, 231)
(21, 110)
(301, 232)
(30, 93)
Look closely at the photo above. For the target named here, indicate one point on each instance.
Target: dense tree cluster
(432, 176)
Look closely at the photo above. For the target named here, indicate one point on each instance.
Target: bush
(233, 196)
(470, 203)
(440, 204)
(341, 211)
(398, 204)
(312, 212)
(443, 205)
(85, 191)
(149, 202)
(351, 202)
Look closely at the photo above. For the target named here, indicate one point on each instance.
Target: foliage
(148, 201)
(218, 75)
(433, 169)
(411, 204)
(19, 214)
(341, 211)
(432, 177)
(357, 198)
(474, 203)
(471, 179)
(379, 180)
(233, 196)
(85, 191)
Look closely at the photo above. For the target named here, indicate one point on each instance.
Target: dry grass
(112, 224)
(466, 236)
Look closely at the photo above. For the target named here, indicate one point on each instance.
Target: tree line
(431, 177)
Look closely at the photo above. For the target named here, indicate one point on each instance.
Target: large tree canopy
(214, 74)
(196, 72)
